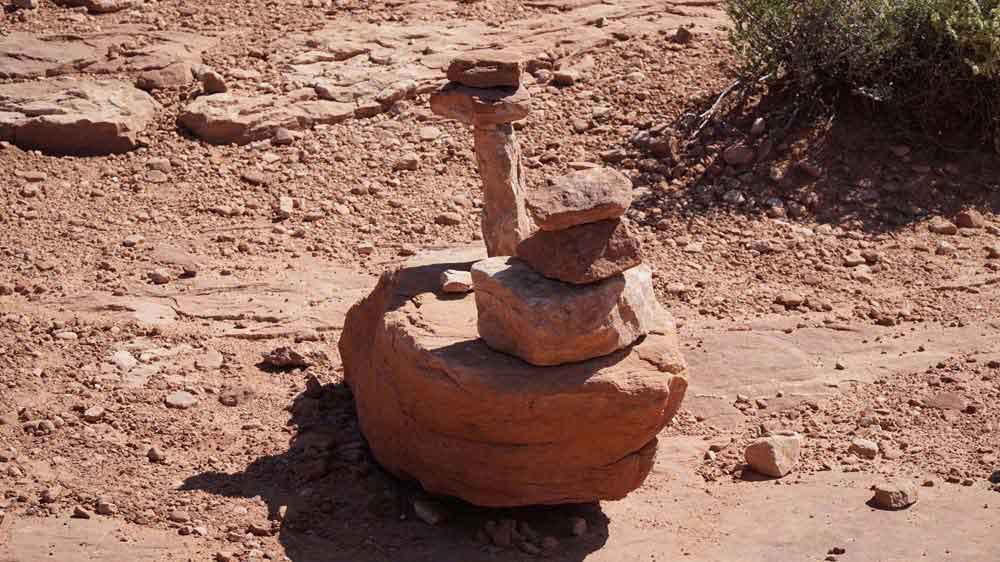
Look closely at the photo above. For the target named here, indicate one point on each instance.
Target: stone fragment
(894, 495)
(285, 358)
(581, 197)
(212, 82)
(453, 281)
(26, 4)
(939, 225)
(970, 218)
(481, 107)
(463, 428)
(156, 455)
(773, 456)
(487, 69)
(75, 117)
(582, 254)
(80, 513)
(864, 448)
(181, 399)
(546, 322)
(93, 414)
(171, 76)
(739, 155)
(430, 511)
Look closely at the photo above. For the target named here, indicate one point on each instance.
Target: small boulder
(181, 400)
(942, 226)
(864, 448)
(970, 218)
(774, 456)
(894, 495)
(453, 281)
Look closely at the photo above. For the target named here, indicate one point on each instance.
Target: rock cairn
(548, 384)
(486, 92)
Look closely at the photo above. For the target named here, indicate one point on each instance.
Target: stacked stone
(540, 388)
(486, 92)
(577, 288)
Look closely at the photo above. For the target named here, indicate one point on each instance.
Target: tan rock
(581, 197)
(548, 322)
(505, 217)
(481, 106)
(970, 218)
(774, 456)
(439, 406)
(487, 69)
(78, 117)
(171, 76)
(894, 495)
(453, 281)
(582, 254)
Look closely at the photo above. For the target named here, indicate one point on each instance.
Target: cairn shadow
(329, 501)
(850, 164)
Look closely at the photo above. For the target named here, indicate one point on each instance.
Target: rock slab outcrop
(438, 405)
(84, 118)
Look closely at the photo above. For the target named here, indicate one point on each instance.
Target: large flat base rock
(86, 117)
(438, 405)
(547, 322)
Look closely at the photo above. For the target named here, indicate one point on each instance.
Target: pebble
(945, 249)
(864, 448)
(212, 82)
(132, 241)
(894, 495)
(285, 207)
(448, 219)
(80, 513)
(282, 137)
(970, 218)
(159, 276)
(453, 281)
(429, 133)
(409, 161)
(942, 226)
(429, 511)
(774, 456)
(181, 400)
(738, 155)
(105, 507)
(93, 414)
(124, 360)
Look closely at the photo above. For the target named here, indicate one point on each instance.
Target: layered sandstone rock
(487, 69)
(438, 405)
(85, 117)
(581, 197)
(582, 254)
(547, 322)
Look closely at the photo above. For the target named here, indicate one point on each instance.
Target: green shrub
(934, 64)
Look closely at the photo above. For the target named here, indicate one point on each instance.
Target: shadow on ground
(329, 501)
(846, 165)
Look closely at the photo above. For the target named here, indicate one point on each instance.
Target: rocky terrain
(196, 193)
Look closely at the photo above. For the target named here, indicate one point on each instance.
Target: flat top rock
(580, 197)
(481, 106)
(487, 69)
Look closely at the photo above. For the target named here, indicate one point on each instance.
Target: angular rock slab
(481, 107)
(26, 55)
(233, 119)
(582, 254)
(85, 118)
(487, 69)
(581, 197)
(546, 322)
(439, 406)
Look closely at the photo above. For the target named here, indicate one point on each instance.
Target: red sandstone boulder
(439, 406)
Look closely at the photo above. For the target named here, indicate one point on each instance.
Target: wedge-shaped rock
(439, 406)
(581, 197)
(582, 254)
(480, 106)
(85, 117)
(487, 69)
(229, 118)
(547, 322)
